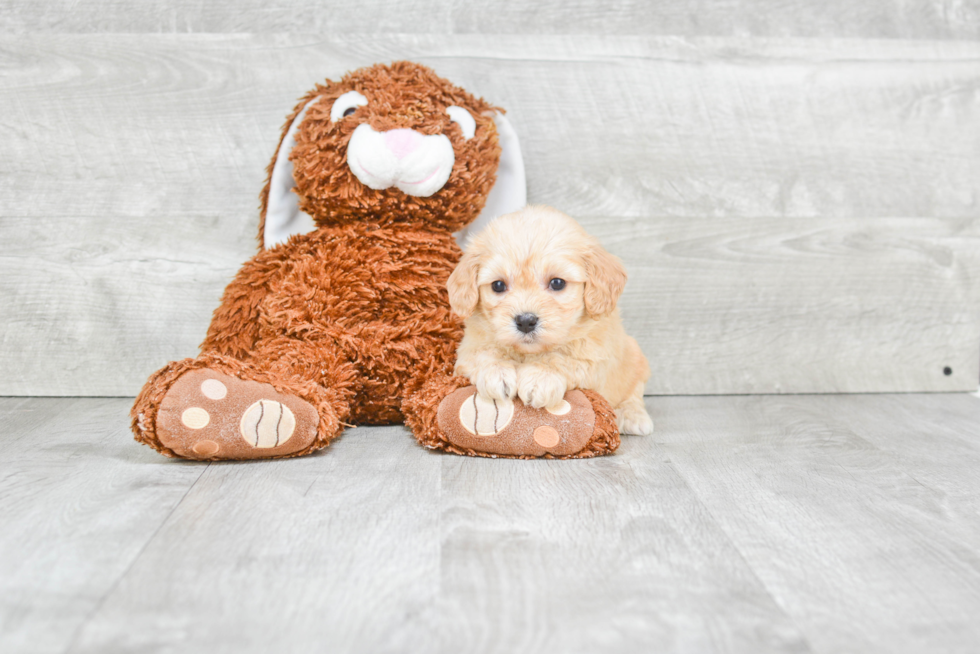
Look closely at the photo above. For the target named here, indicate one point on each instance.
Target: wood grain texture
(887, 548)
(775, 305)
(334, 552)
(160, 126)
(750, 524)
(78, 503)
(931, 19)
(132, 163)
(616, 555)
(796, 305)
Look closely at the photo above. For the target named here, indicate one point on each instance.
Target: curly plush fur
(353, 318)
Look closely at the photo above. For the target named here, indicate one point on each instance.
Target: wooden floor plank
(362, 549)
(750, 524)
(78, 502)
(943, 457)
(23, 416)
(332, 552)
(861, 555)
(603, 555)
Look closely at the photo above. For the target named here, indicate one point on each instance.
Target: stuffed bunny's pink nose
(402, 142)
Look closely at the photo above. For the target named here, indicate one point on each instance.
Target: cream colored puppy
(538, 295)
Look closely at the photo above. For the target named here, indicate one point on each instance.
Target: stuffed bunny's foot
(210, 415)
(510, 428)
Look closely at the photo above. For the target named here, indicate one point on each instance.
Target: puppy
(538, 295)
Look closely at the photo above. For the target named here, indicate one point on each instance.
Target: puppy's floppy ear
(605, 280)
(464, 294)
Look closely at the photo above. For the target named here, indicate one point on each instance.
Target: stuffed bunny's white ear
(283, 217)
(509, 192)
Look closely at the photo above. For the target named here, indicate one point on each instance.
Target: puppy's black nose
(526, 322)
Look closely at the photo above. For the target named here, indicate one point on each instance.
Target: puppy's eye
(464, 119)
(498, 286)
(557, 284)
(346, 104)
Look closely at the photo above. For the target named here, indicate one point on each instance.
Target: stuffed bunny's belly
(378, 295)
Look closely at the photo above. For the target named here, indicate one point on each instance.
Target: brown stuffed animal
(344, 317)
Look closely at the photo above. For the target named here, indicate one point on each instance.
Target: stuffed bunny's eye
(346, 104)
(464, 119)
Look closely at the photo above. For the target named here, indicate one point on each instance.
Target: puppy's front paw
(497, 382)
(540, 388)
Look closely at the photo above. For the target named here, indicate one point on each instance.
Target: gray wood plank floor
(745, 524)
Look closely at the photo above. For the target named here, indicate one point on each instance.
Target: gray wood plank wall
(797, 209)
(906, 19)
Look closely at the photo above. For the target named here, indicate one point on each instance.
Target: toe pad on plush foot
(210, 415)
(510, 428)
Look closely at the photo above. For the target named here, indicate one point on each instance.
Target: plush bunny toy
(343, 316)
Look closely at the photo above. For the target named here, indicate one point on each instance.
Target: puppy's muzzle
(526, 322)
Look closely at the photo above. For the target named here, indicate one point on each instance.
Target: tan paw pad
(213, 389)
(195, 418)
(560, 409)
(546, 436)
(483, 417)
(206, 448)
(267, 423)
